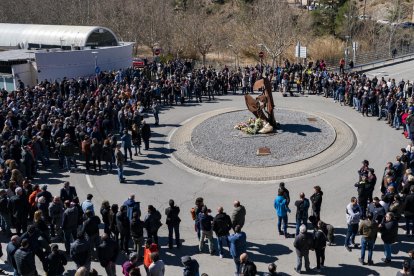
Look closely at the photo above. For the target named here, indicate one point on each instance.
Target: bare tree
(271, 23)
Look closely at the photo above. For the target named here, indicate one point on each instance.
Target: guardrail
(382, 63)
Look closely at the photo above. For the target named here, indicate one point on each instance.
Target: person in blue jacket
(237, 246)
(282, 209)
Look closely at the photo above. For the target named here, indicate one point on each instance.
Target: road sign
(261, 54)
(301, 52)
(355, 45)
(157, 51)
(97, 70)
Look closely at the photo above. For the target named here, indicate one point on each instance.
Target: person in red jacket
(150, 247)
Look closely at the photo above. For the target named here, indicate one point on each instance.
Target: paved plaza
(161, 174)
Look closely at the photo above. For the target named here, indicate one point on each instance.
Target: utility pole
(365, 5)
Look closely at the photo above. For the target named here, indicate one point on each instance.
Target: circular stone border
(289, 145)
(180, 145)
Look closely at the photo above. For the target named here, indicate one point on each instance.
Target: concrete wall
(73, 64)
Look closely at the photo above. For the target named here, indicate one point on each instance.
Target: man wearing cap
(88, 205)
(120, 160)
(19, 206)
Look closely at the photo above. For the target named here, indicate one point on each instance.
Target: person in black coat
(24, 258)
(191, 266)
(67, 192)
(108, 252)
(56, 262)
(319, 243)
(152, 223)
(37, 243)
(247, 267)
(11, 249)
(221, 226)
(303, 243)
(69, 224)
(91, 229)
(123, 226)
(137, 233)
(316, 199)
(105, 211)
(272, 270)
(389, 233)
(19, 206)
(173, 223)
(80, 251)
(145, 134)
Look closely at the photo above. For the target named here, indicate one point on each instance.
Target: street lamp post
(272, 54)
(95, 53)
(235, 55)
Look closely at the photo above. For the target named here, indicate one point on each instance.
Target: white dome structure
(25, 36)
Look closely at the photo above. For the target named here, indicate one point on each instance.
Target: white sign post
(300, 52)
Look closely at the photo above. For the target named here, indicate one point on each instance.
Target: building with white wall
(33, 53)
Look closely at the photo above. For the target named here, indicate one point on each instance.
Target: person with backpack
(206, 220)
(302, 207)
(173, 223)
(152, 223)
(132, 206)
(195, 211)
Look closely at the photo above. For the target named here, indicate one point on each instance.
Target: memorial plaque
(263, 151)
(311, 119)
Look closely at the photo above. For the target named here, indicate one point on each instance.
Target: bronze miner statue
(262, 107)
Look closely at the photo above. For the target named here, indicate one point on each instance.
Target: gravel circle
(300, 136)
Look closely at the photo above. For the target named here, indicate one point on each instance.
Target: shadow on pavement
(346, 270)
(299, 129)
(266, 253)
(147, 182)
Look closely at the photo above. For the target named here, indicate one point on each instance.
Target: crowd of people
(72, 120)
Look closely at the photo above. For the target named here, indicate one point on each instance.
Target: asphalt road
(155, 178)
(399, 71)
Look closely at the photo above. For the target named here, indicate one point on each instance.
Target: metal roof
(20, 35)
(17, 55)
